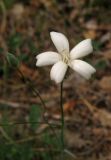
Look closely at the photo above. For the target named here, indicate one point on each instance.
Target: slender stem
(28, 83)
(54, 125)
(6, 136)
(62, 119)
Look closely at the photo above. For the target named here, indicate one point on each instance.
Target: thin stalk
(62, 120)
(6, 136)
(54, 125)
(28, 83)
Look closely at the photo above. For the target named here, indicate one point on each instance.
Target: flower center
(65, 56)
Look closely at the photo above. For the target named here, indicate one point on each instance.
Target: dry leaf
(69, 106)
(92, 24)
(73, 139)
(90, 33)
(28, 72)
(106, 37)
(102, 115)
(105, 83)
(18, 11)
(107, 55)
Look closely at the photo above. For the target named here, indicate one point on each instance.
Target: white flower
(65, 58)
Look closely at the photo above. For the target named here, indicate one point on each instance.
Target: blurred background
(25, 27)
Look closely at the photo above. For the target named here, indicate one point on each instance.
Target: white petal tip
(47, 58)
(53, 32)
(83, 68)
(37, 57)
(38, 64)
(60, 41)
(57, 82)
(82, 49)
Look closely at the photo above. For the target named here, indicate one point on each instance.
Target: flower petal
(60, 41)
(47, 58)
(82, 49)
(83, 68)
(58, 71)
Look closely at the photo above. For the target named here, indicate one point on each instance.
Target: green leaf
(101, 64)
(23, 57)
(16, 152)
(15, 41)
(8, 3)
(96, 45)
(31, 46)
(12, 60)
(5, 122)
(1, 50)
(35, 112)
(53, 141)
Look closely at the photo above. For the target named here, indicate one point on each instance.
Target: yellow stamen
(65, 57)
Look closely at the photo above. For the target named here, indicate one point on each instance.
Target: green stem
(29, 83)
(62, 120)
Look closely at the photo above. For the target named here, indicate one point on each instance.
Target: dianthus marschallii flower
(65, 58)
